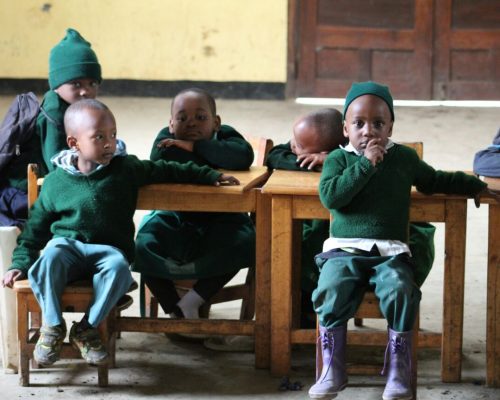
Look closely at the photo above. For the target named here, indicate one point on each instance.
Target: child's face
(305, 139)
(95, 139)
(192, 119)
(368, 117)
(78, 89)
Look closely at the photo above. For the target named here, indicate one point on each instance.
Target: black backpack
(487, 161)
(18, 126)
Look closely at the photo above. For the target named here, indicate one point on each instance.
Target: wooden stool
(76, 298)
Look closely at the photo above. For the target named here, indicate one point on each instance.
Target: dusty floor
(154, 366)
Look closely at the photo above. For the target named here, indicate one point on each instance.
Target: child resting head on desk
(366, 186)
(314, 135)
(209, 248)
(83, 219)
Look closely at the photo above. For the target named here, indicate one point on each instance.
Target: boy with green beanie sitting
(366, 186)
(74, 74)
(83, 220)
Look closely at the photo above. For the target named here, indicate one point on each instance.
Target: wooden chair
(244, 291)
(370, 309)
(75, 298)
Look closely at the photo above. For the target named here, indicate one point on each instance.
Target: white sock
(190, 304)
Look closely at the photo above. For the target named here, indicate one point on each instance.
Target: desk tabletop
(249, 179)
(292, 182)
(306, 183)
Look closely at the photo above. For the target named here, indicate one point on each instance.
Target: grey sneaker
(88, 342)
(48, 347)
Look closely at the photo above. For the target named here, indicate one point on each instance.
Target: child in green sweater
(207, 247)
(83, 220)
(366, 186)
(74, 74)
(314, 136)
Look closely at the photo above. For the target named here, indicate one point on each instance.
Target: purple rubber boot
(398, 386)
(333, 377)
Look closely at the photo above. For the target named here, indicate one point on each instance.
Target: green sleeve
(35, 234)
(147, 172)
(227, 150)
(50, 127)
(430, 181)
(282, 157)
(340, 182)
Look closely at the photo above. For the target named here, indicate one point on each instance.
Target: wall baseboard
(139, 88)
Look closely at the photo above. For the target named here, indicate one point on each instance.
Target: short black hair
(328, 124)
(74, 110)
(210, 99)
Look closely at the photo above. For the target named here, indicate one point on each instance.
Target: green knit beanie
(361, 88)
(72, 58)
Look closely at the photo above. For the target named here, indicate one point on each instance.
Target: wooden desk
(243, 198)
(493, 294)
(294, 196)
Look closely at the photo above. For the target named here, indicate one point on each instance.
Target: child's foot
(48, 347)
(88, 342)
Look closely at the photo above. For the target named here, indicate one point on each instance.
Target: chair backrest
(33, 184)
(261, 147)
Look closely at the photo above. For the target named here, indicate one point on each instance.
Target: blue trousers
(66, 260)
(344, 279)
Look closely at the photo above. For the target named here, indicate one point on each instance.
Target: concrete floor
(153, 366)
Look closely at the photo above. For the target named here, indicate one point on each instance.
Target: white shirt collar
(351, 149)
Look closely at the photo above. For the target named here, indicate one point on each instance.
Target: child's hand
(226, 180)
(375, 151)
(312, 161)
(11, 276)
(181, 144)
(494, 194)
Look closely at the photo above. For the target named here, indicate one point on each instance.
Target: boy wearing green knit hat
(74, 74)
(366, 187)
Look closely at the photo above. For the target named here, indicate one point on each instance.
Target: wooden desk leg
(453, 291)
(493, 301)
(263, 282)
(22, 337)
(281, 284)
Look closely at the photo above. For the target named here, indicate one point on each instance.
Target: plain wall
(199, 40)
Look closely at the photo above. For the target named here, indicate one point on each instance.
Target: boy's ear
(171, 126)
(390, 130)
(344, 130)
(72, 142)
(217, 123)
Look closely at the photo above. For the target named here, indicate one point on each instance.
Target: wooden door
(422, 49)
(466, 51)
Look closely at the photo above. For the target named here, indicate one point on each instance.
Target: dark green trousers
(345, 277)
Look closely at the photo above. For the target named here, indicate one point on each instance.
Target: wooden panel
(422, 49)
(466, 51)
(376, 14)
(343, 41)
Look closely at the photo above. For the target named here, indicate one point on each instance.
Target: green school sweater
(48, 140)
(374, 202)
(282, 157)
(227, 149)
(97, 208)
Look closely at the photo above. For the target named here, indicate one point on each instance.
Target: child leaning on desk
(207, 247)
(366, 187)
(314, 136)
(83, 219)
